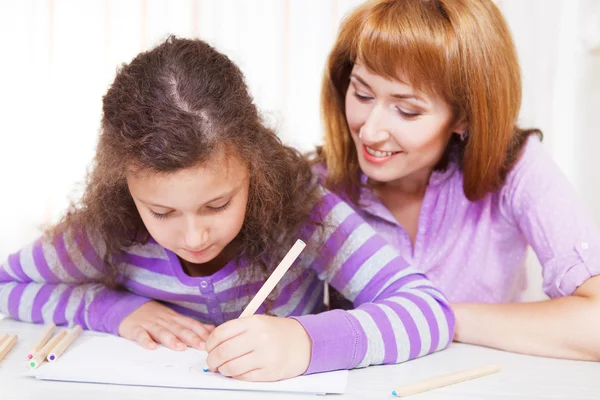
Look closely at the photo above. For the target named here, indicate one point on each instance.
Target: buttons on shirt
(585, 245)
(203, 284)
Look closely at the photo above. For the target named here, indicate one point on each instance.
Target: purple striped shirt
(399, 315)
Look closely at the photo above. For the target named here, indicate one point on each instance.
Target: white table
(521, 377)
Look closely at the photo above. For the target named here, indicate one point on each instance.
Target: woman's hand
(259, 348)
(154, 323)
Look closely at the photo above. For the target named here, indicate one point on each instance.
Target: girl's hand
(154, 323)
(259, 348)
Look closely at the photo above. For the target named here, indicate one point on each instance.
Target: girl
(191, 203)
(420, 101)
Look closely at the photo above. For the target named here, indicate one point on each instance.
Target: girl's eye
(407, 114)
(160, 216)
(221, 208)
(361, 97)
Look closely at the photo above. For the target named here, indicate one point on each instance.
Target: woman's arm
(541, 202)
(565, 327)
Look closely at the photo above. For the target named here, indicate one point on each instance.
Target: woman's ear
(460, 128)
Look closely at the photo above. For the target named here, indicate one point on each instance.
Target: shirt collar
(371, 204)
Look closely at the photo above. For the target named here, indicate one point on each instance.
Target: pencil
(2, 337)
(445, 380)
(274, 279)
(271, 282)
(7, 344)
(44, 337)
(69, 338)
(41, 355)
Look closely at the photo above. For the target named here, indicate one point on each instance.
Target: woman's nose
(374, 130)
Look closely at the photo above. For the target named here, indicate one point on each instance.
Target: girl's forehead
(222, 167)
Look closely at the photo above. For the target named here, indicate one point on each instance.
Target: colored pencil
(445, 380)
(44, 337)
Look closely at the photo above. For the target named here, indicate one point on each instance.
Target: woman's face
(398, 132)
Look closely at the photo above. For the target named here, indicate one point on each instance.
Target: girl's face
(194, 212)
(398, 132)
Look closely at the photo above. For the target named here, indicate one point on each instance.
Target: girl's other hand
(154, 323)
(259, 348)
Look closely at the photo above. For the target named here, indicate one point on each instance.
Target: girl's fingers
(227, 351)
(239, 366)
(202, 330)
(164, 336)
(144, 339)
(256, 375)
(227, 331)
(185, 335)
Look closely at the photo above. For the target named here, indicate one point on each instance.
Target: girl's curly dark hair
(169, 109)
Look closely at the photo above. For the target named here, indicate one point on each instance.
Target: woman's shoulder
(534, 176)
(533, 170)
(319, 169)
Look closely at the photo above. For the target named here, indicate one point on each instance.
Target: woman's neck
(413, 185)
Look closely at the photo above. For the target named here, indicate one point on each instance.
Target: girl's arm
(399, 314)
(58, 281)
(540, 201)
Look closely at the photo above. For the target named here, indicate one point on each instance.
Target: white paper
(114, 360)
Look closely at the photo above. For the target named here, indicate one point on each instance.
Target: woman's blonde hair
(461, 50)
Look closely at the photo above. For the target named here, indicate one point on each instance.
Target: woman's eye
(406, 114)
(361, 97)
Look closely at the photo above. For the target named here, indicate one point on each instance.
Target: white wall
(60, 55)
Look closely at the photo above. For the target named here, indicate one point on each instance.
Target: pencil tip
(29, 356)
(205, 369)
(394, 393)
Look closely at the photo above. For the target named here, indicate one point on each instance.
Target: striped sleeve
(58, 281)
(399, 315)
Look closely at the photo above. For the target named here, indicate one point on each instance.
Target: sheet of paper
(109, 359)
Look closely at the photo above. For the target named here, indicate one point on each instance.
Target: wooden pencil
(41, 355)
(271, 282)
(2, 337)
(44, 337)
(6, 345)
(274, 279)
(445, 380)
(66, 341)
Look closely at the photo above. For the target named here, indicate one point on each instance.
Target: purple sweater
(399, 314)
(474, 251)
